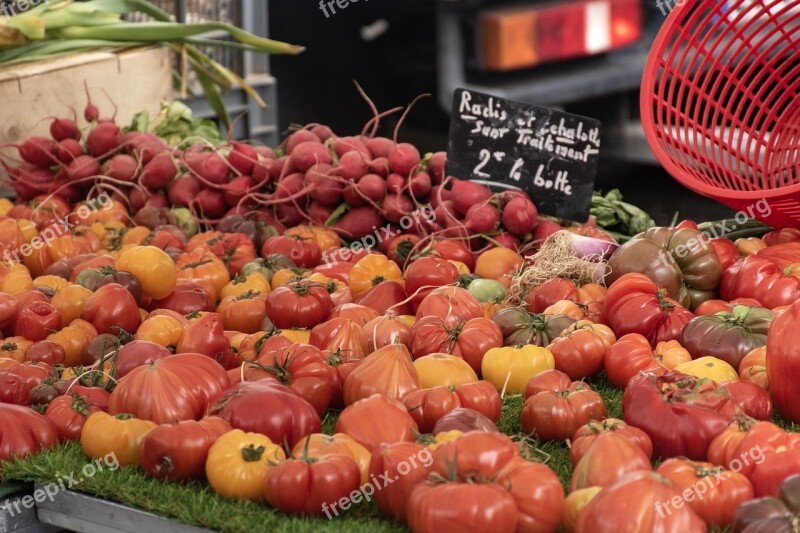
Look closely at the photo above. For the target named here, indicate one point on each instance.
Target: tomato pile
(199, 352)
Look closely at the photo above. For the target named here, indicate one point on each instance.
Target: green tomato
(487, 290)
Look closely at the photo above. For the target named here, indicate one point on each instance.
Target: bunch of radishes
(355, 184)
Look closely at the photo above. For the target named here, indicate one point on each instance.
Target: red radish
(183, 190)
(103, 139)
(307, 154)
(510, 194)
(147, 147)
(319, 213)
(290, 185)
(436, 166)
(64, 128)
(379, 146)
(403, 158)
(359, 222)
(279, 167)
(298, 137)
(207, 166)
(82, 167)
(544, 229)
(66, 190)
(238, 189)
(482, 218)
(372, 186)
(379, 166)
(121, 167)
(351, 197)
(352, 165)
(242, 158)
(210, 203)
(323, 132)
(288, 214)
(468, 193)
(159, 171)
(90, 112)
(327, 189)
(262, 171)
(69, 149)
(519, 216)
(157, 200)
(420, 184)
(39, 151)
(395, 183)
(396, 206)
(137, 197)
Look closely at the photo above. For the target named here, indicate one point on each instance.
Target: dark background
(317, 86)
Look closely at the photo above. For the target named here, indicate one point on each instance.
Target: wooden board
(135, 79)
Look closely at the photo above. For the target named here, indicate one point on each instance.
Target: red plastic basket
(720, 103)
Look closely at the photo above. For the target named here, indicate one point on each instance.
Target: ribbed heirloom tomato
(120, 434)
(152, 267)
(237, 464)
(302, 304)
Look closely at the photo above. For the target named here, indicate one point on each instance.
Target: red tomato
(112, 308)
(244, 312)
(580, 350)
(342, 367)
(428, 406)
(37, 320)
(727, 252)
(388, 371)
(24, 431)
(425, 274)
(550, 292)
(340, 334)
(206, 335)
(767, 455)
(386, 461)
(454, 250)
(610, 457)
(178, 451)
(304, 252)
(634, 304)
(450, 303)
(783, 368)
(468, 339)
(473, 455)
(377, 420)
(137, 353)
(433, 508)
(68, 414)
(312, 487)
(302, 304)
(179, 387)
(387, 295)
(632, 354)
(288, 419)
(187, 297)
(587, 435)
(557, 415)
(759, 278)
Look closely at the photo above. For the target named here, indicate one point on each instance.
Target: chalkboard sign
(550, 154)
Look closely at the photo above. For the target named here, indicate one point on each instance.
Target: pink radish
(183, 190)
(395, 183)
(468, 193)
(121, 167)
(66, 190)
(307, 154)
(138, 196)
(90, 112)
(327, 189)
(323, 132)
(103, 139)
(288, 214)
(403, 158)
(437, 191)
(39, 151)
(69, 149)
(396, 206)
(279, 167)
(358, 222)
(64, 128)
(436, 166)
(544, 229)
(82, 167)
(265, 152)
(508, 240)
(372, 186)
(482, 218)
(519, 216)
(379, 166)
(298, 137)
(343, 145)
(158, 199)
(351, 197)
(262, 171)
(379, 146)
(289, 185)
(238, 189)
(242, 158)
(352, 165)
(419, 185)
(208, 167)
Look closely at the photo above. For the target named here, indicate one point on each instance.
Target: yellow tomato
(462, 268)
(297, 335)
(51, 282)
(574, 504)
(69, 301)
(254, 281)
(18, 280)
(709, 367)
(6, 205)
(74, 339)
(121, 435)
(371, 270)
(492, 264)
(153, 267)
(511, 368)
(238, 462)
(408, 319)
(443, 370)
(27, 228)
(444, 437)
(161, 329)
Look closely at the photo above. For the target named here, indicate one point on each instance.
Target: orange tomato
(319, 445)
(163, 330)
(205, 267)
(326, 238)
(371, 270)
(75, 338)
(69, 301)
(14, 348)
(496, 262)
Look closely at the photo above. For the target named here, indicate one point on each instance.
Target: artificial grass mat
(195, 503)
